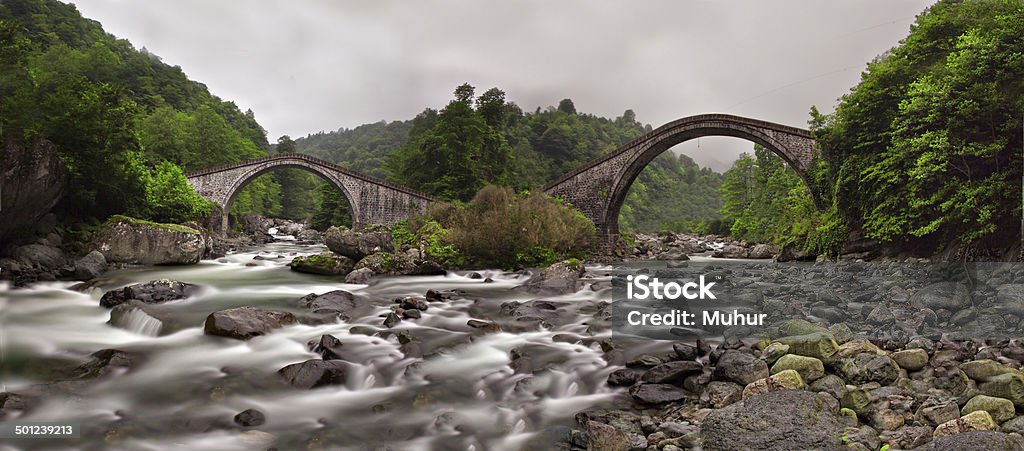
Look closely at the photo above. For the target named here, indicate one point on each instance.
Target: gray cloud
(305, 66)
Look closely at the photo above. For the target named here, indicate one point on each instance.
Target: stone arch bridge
(599, 188)
(373, 201)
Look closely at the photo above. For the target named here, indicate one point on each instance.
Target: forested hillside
(924, 153)
(125, 124)
(447, 152)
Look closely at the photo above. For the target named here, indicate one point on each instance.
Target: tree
(285, 144)
(566, 106)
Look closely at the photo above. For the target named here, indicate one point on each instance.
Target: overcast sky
(305, 66)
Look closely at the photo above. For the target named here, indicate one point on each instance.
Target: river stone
(977, 440)
(1000, 409)
(821, 346)
(784, 380)
(315, 373)
(880, 315)
(384, 263)
(624, 377)
(329, 347)
(134, 241)
(719, 394)
(775, 421)
(360, 276)
(685, 351)
(244, 323)
(1007, 386)
(854, 347)
(985, 369)
(773, 352)
(656, 393)
(557, 279)
(911, 359)
(12, 405)
(1011, 297)
(40, 256)
(153, 292)
(740, 367)
(671, 372)
(935, 415)
(1016, 425)
(325, 264)
(793, 327)
(831, 384)
(810, 368)
(951, 296)
(250, 418)
(358, 244)
(975, 421)
(349, 306)
(907, 437)
(90, 266)
(106, 362)
(864, 368)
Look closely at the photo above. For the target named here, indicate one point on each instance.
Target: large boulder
(244, 323)
(134, 241)
(40, 257)
(398, 264)
(326, 264)
(339, 302)
(987, 440)
(90, 266)
(154, 292)
(951, 296)
(33, 180)
(740, 367)
(778, 420)
(557, 279)
(315, 373)
(358, 244)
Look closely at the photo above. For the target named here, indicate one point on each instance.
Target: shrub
(501, 228)
(169, 198)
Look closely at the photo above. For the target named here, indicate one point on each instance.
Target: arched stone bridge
(373, 201)
(599, 188)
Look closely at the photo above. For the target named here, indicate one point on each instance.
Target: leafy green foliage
(457, 156)
(673, 194)
(499, 228)
(927, 146)
(765, 200)
(169, 197)
(116, 114)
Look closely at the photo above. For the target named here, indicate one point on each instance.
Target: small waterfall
(139, 322)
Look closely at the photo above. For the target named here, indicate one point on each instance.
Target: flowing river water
(463, 389)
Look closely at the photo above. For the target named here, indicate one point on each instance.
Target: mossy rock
(999, 408)
(327, 264)
(809, 368)
(821, 346)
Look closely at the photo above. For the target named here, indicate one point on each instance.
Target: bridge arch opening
(663, 147)
(332, 203)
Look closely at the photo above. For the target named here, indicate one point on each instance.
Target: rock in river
(338, 302)
(315, 373)
(326, 264)
(244, 323)
(358, 244)
(128, 240)
(153, 292)
(557, 279)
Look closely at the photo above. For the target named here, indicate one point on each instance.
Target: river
(467, 393)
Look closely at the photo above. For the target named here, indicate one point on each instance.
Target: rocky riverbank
(855, 356)
(680, 246)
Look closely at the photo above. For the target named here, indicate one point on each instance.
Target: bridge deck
(313, 160)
